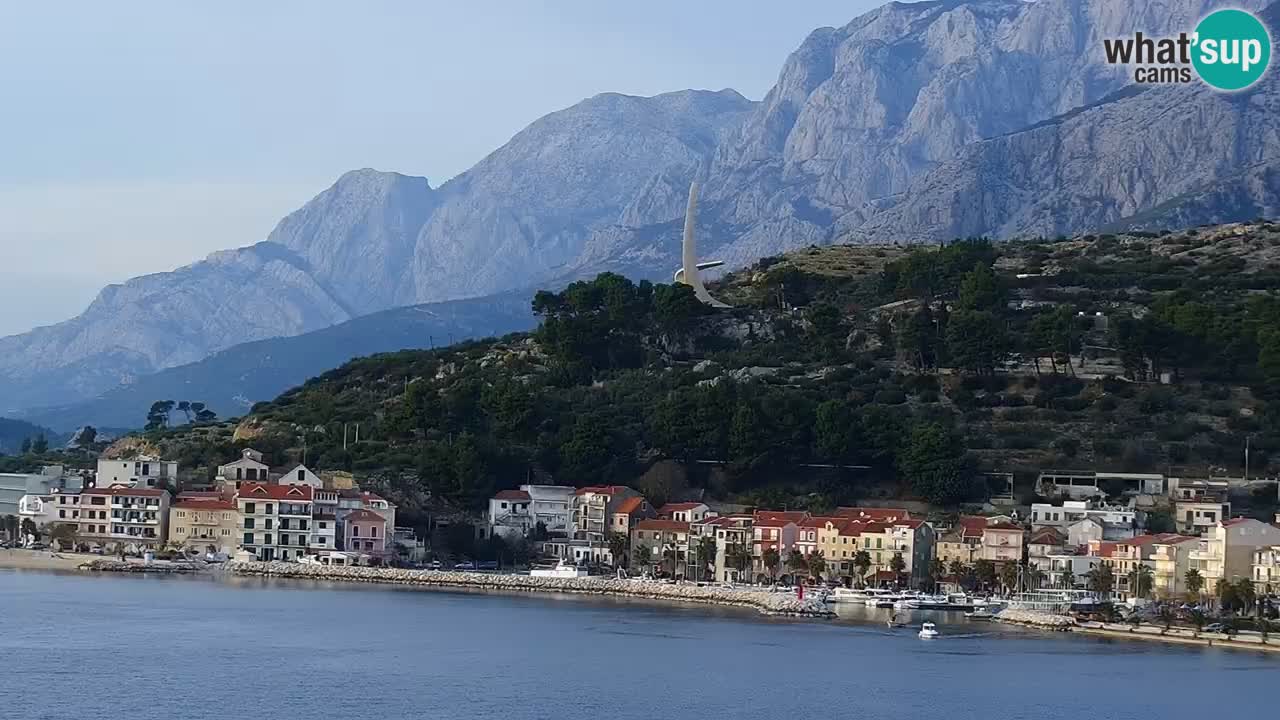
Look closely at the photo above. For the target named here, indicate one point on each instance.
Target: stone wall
(769, 603)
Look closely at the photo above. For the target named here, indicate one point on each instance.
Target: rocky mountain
(230, 381)
(379, 240)
(913, 122)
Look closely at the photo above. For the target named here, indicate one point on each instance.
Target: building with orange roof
(873, 514)
(365, 532)
(732, 535)
(593, 510)
(666, 542)
(773, 531)
(910, 538)
(1226, 553)
(275, 520)
(1170, 560)
(203, 524)
(808, 531)
(689, 512)
(627, 512)
(121, 517)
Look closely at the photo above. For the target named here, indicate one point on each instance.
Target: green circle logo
(1232, 49)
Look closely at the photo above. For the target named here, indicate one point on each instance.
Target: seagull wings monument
(688, 274)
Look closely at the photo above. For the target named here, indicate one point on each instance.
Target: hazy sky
(137, 137)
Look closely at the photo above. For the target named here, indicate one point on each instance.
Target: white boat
(561, 570)
(928, 631)
(980, 614)
(857, 596)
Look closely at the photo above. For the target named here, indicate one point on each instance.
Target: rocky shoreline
(138, 567)
(767, 603)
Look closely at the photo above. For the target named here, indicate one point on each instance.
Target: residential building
(205, 525)
(39, 509)
(667, 542)
(962, 542)
(248, 467)
(808, 531)
(1227, 551)
(122, 517)
(552, 507)
(733, 534)
(1078, 485)
(626, 513)
(1069, 569)
(1117, 521)
(1042, 545)
(1266, 570)
(690, 512)
(365, 532)
(838, 543)
(324, 520)
(351, 500)
(593, 509)
(773, 530)
(1002, 542)
(911, 539)
(510, 514)
(1170, 560)
(66, 504)
(1194, 516)
(301, 475)
(1082, 532)
(143, 471)
(1199, 488)
(577, 552)
(870, 514)
(13, 486)
(275, 520)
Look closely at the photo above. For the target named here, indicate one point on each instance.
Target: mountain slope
(230, 381)
(375, 241)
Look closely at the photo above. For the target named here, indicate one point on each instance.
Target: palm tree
(618, 543)
(937, 571)
(1068, 578)
(1195, 582)
(771, 559)
(862, 561)
(796, 562)
(1198, 618)
(985, 572)
(1101, 579)
(642, 557)
(1009, 577)
(898, 565)
(738, 557)
(706, 555)
(1141, 580)
(1035, 577)
(817, 565)
(669, 559)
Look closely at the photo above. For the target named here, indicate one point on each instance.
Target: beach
(43, 560)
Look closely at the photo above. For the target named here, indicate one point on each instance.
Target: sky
(137, 137)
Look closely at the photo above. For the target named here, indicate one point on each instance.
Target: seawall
(769, 603)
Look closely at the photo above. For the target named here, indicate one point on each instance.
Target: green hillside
(923, 367)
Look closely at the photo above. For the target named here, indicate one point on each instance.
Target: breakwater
(769, 603)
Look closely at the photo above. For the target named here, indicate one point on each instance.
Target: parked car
(488, 565)
(1215, 628)
(465, 566)
(37, 546)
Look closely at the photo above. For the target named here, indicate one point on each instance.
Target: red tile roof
(258, 491)
(1236, 521)
(600, 489)
(779, 516)
(870, 513)
(362, 516)
(629, 505)
(204, 504)
(912, 523)
(664, 525)
(971, 526)
(1106, 549)
(1004, 526)
(1173, 539)
(124, 490)
(1046, 536)
(511, 495)
(821, 522)
(680, 507)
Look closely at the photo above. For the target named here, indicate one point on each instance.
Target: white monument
(688, 274)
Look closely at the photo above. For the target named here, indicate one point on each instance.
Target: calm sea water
(164, 648)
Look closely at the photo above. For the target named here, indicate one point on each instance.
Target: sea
(167, 648)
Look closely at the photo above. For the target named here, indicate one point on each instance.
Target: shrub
(1068, 446)
(891, 396)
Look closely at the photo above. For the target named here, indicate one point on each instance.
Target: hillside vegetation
(841, 372)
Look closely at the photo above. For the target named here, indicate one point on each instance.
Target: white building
(249, 467)
(301, 475)
(552, 506)
(275, 520)
(13, 486)
(1079, 485)
(1069, 570)
(510, 515)
(1226, 552)
(324, 520)
(144, 471)
(1063, 516)
(1195, 517)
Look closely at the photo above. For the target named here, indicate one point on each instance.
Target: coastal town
(1094, 535)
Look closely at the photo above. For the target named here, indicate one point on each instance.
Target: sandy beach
(43, 560)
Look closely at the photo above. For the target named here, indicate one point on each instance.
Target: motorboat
(980, 614)
(856, 596)
(928, 631)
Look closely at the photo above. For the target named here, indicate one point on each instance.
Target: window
(250, 509)
(284, 539)
(268, 524)
(266, 539)
(248, 523)
(373, 531)
(268, 510)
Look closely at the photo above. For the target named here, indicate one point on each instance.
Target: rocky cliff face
(380, 240)
(913, 122)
